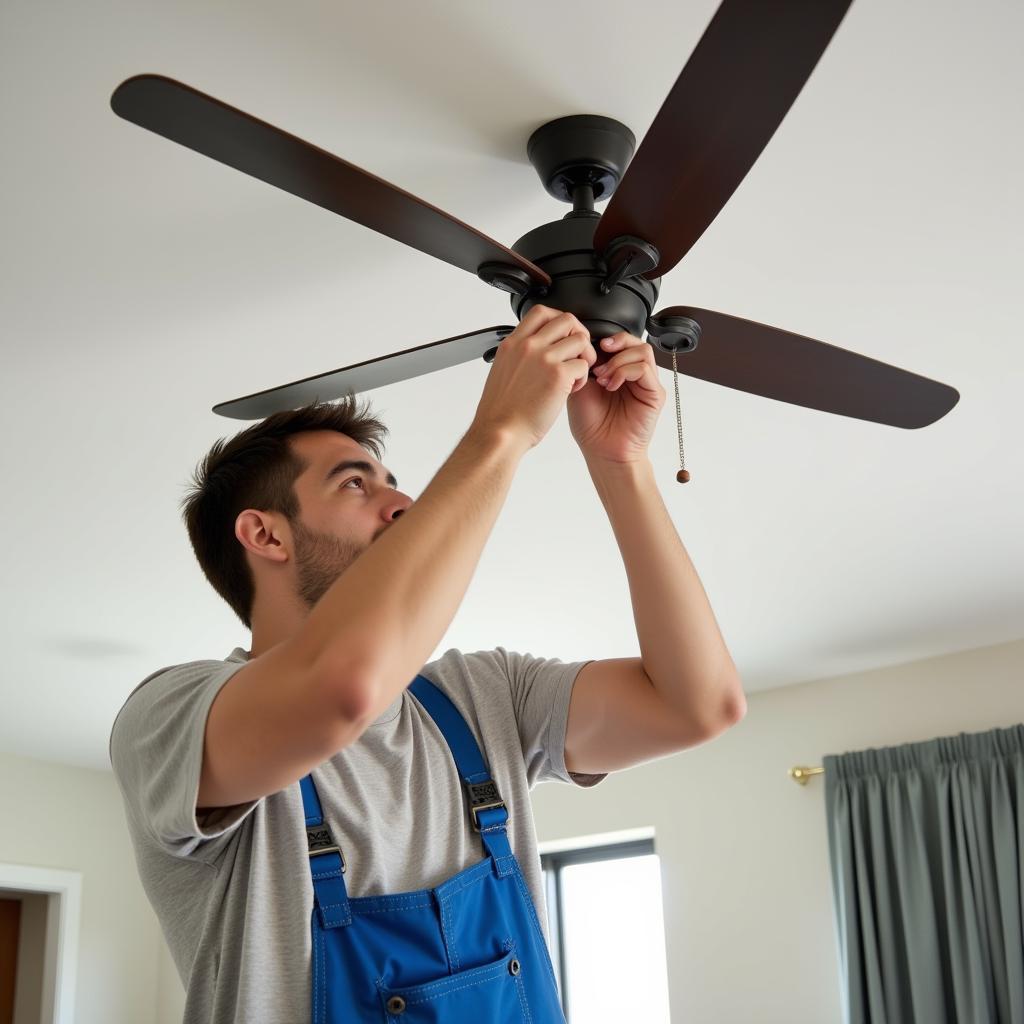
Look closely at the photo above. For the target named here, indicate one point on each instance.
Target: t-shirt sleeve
(156, 751)
(541, 689)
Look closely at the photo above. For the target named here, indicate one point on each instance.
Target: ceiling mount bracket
(578, 150)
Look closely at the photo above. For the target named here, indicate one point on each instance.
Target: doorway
(39, 924)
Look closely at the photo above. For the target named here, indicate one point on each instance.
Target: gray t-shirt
(233, 891)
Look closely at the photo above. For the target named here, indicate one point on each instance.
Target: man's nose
(396, 506)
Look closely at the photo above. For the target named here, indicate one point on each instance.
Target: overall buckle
(482, 797)
(321, 841)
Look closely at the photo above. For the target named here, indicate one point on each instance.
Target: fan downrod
(581, 159)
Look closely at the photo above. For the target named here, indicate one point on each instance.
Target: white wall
(72, 819)
(744, 851)
(170, 992)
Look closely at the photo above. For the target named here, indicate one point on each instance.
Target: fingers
(565, 325)
(633, 361)
(563, 338)
(540, 314)
(551, 324)
(560, 338)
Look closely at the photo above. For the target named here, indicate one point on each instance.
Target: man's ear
(265, 534)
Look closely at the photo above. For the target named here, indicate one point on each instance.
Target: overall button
(513, 967)
(396, 1004)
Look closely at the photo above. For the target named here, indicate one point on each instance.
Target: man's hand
(612, 417)
(535, 369)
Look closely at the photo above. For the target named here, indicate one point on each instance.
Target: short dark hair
(257, 468)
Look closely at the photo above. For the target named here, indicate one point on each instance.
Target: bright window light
(606, 917)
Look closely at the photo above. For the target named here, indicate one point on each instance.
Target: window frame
(551, 866)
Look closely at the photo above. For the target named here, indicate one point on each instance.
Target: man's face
(343, 509)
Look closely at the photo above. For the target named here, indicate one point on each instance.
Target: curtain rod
(801, 773)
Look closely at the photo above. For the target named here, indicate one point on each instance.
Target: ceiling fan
(606, 269)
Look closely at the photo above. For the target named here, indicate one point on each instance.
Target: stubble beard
(320, 558)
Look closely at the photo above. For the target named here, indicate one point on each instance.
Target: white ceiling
(142, 283)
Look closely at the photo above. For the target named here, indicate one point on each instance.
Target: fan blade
(734, 91)
(765, 361)
(365, 376)
(187, 116)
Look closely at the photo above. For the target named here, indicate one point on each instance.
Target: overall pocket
(493, 993)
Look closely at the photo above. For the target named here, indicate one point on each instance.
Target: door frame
(63, 920)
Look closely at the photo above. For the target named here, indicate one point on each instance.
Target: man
(330, 829)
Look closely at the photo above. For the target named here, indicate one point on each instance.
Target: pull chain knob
(682, 476)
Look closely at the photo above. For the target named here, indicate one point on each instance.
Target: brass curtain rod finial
(802, 773)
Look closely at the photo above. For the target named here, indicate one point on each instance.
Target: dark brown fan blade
(736, 88)
(365, 376)
(765, 361)
(185, 115)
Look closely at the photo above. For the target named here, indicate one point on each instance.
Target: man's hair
(257, 469)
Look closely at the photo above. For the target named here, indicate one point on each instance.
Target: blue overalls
(468, 950)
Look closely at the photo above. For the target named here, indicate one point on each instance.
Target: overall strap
(326, 862)
(487, 810)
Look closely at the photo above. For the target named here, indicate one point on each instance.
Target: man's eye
(351, 479)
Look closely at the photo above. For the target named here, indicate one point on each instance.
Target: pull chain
(682, 476)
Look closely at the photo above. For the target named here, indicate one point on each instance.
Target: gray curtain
(926, 842)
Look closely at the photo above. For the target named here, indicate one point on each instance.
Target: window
(607, 932)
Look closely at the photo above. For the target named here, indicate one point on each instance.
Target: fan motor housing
(565, 250)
